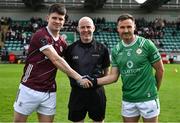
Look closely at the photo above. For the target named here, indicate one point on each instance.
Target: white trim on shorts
(147, 109)
(29, 100)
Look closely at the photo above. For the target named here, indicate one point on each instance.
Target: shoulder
(63, 41)
(41, 33)
(40, 38)
(100, 46)
(145, 42)
(69, 50)
(118, 47)
(71, 46)
(74, 44)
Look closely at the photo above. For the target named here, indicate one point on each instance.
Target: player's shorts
(147, 109)
(29, 100)
(83, 101)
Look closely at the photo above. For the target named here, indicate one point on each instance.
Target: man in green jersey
(134, 58)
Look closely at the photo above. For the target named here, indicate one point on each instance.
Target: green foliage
(10, 75)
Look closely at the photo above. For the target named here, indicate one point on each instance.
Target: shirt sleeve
(67, 54)
(154, 54)
(40, 41)
(106, 58)
(113, 58)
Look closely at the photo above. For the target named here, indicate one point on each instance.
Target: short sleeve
(106, 58)
(40, 40)
(154, 54)
(113, 58)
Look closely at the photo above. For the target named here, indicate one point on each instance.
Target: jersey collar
(86, 44)
(49, 31)
(131, 44)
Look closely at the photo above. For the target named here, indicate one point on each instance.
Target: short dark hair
(125, 17)
(57, 8)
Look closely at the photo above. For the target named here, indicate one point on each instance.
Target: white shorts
(29, 100)
(147, 109)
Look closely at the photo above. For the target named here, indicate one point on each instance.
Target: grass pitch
(10, 75)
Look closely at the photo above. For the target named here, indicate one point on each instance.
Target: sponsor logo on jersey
(75, 57)
(95, 55)
(129, 64)
(130, 71)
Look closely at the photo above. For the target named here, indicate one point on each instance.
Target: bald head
(86, 29)
(86, 20)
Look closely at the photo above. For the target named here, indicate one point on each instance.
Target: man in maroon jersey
(37, 91)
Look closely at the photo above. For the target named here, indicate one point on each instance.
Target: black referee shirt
(87, 59)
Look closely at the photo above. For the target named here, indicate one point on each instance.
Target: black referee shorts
(91, 101)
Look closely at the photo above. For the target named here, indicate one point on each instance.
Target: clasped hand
(87, 82)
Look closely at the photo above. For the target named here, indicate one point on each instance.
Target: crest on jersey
(139, 51)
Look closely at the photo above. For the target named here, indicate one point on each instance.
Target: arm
(109, 78)
(106, 71)
(62, 65)
(159, 70)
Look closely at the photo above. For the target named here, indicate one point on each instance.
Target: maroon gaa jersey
(39, 72)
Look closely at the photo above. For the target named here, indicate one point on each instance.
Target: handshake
(86, 84)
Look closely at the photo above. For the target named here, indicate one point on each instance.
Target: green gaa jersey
(134, 62)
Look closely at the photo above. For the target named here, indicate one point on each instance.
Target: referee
(87, 57)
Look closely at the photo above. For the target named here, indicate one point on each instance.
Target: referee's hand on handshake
(92, 79)
(84, 82)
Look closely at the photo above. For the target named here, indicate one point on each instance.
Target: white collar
(132, 43)
(49, 31)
